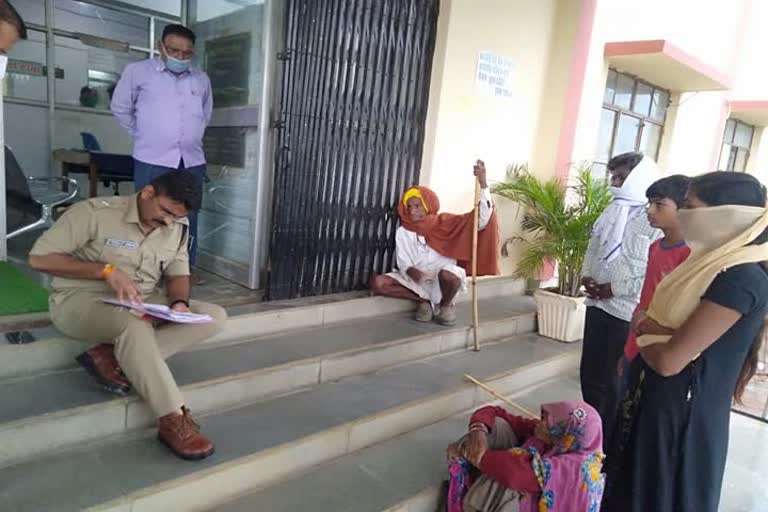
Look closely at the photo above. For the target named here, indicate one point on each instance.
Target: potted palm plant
(556, 227)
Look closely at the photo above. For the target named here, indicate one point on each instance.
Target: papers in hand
(162, 312)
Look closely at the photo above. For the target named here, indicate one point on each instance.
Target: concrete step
(403, 474)
(67, 407)
(24, 321)
(53, 351)
(261, 443)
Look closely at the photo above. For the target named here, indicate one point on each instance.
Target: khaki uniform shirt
(108, 230)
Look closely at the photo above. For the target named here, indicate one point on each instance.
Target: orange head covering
(450, 234)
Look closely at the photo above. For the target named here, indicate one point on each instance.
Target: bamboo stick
(499, 396)
(475, 225)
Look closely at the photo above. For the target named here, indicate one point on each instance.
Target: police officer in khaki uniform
(120, 248)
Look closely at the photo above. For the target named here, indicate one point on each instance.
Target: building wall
(464, 124)
(695, 121)
(556, 89)
(542, 38)
(695, 133)
(470, 124)
(758, 157)
(706, 29)
(751, 82)
(751, 73)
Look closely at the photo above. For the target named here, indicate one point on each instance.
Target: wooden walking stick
(475, 225)
(499, 396)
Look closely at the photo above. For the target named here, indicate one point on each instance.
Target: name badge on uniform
(121, 244)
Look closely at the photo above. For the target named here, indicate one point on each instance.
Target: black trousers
(604, 338)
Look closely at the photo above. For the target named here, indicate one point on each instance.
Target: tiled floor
(745, 488)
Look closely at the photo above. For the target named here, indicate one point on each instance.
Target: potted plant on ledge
(557, 224)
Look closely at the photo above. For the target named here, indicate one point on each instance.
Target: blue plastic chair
(89, 142)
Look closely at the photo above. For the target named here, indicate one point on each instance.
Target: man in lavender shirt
(166, 105)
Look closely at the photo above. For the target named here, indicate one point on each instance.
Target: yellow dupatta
(718, 237)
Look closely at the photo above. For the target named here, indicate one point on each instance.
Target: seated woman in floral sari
(530, 465)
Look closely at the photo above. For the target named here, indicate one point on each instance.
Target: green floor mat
(19, 294)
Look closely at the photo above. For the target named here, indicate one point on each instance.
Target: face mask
(712, 227)
(695, 224)
(176, 65)
(3, 65)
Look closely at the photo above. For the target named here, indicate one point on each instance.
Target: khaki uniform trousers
(141, 347)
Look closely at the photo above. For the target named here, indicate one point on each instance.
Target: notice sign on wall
(494, 75)
(29, 68)
(26, 67)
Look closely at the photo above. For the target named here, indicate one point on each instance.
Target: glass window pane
(26, 69)
(229, 47)
(743, 136)
(610, 87)
(731, 159)
(626, 135)
(599, 170)
(217, 8)
(607, 119)
(31, 11)
(725, 156)
(660, 103)
(159, 27)
(624, 88)
(89, 73)
(730, 128)
(643, 96)
(101, 22)
(740, 162)
(650, 140)
(172, 7)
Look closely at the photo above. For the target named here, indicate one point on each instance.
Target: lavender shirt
(166, 114)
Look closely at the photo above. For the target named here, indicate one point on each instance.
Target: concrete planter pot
(560, 317)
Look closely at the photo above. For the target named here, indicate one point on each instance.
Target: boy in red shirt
(665, 197)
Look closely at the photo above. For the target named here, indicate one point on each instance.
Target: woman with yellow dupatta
(699, 346)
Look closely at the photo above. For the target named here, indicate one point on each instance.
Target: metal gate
(350, 134)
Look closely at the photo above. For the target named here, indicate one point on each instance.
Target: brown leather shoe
(182, 436)
(100, 362)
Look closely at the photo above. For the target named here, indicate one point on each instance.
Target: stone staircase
(341, 404)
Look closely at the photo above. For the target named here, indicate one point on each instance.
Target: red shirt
(512, 470)
(661, 261)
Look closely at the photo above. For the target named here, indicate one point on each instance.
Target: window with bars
(632, 118)
(737, 140)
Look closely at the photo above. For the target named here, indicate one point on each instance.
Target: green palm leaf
(557, 222)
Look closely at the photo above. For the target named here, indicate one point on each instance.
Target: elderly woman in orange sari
(434, 251)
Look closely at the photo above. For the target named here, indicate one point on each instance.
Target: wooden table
(78, 162)
(75, 161)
